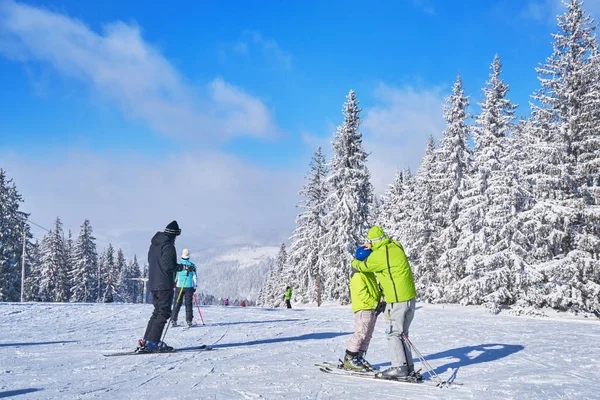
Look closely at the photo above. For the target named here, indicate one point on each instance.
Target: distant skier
(243, 303)
(185, 287)
(366, 297)
(288, 297)
(162, 266)
(226, 302)
(390, 263)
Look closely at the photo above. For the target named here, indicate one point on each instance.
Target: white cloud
(251, 40)
(237, 106)
(397, 130)
(217, 199)
(121, 66)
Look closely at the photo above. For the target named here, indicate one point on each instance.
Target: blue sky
(227, 100)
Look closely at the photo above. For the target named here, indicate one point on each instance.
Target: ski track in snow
(54, 351)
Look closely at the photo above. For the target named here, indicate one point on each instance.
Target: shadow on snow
(10, 393)
(308, 336)
(37, 343)
(469, 355)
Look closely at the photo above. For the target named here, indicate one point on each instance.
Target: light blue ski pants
(398, 317)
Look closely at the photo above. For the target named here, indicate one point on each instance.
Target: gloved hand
(380, 307)
(193, 290)
(189, 268)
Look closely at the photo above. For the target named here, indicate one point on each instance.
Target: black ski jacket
(162, 262)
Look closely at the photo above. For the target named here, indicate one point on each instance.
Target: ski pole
(199, 313)
(178, 297)
(424, 362)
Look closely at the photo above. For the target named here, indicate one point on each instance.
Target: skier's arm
(169, 259)
(370, 264)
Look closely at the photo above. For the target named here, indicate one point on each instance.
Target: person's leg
(164, 299)
(352, 359)
(370, 321)
(153, 316)
(189, 310)
(360, 330)
(408, 317)
(177, 306)
(395, 315)
(288, 303)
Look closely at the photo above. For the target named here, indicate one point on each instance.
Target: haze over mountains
(236, 272)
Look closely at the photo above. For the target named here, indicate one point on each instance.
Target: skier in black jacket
(162, 266)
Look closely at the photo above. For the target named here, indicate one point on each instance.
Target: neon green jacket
(390, 264)
(288, 294)
(364, 291)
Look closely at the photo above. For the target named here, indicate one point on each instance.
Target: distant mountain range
(234, 272)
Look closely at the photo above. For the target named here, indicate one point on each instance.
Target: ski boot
(397, 373)
(367, 365)
(155, 347)
(189, 324)
(174, 323)
(352, 363)
(416, 375)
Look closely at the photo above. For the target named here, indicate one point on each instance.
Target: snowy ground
(54, 351)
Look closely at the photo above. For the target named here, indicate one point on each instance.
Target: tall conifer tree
(53, 269)
(349, 203)
(12, 224)
(306, 243)
(85, 266)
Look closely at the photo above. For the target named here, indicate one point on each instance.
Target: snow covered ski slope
(55, 351)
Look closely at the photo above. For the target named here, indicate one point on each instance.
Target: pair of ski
(178, 350)
(336, 369)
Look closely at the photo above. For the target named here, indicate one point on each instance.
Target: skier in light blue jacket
(186, 282)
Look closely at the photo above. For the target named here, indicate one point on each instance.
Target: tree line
(502, 211)
(59, 267)
(64, 268)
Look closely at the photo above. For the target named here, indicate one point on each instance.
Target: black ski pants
(161, 300)
(187, 294)
(288, 304)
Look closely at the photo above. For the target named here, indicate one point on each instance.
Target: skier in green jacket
(288, 297)
(366, 297)
(390, 264)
